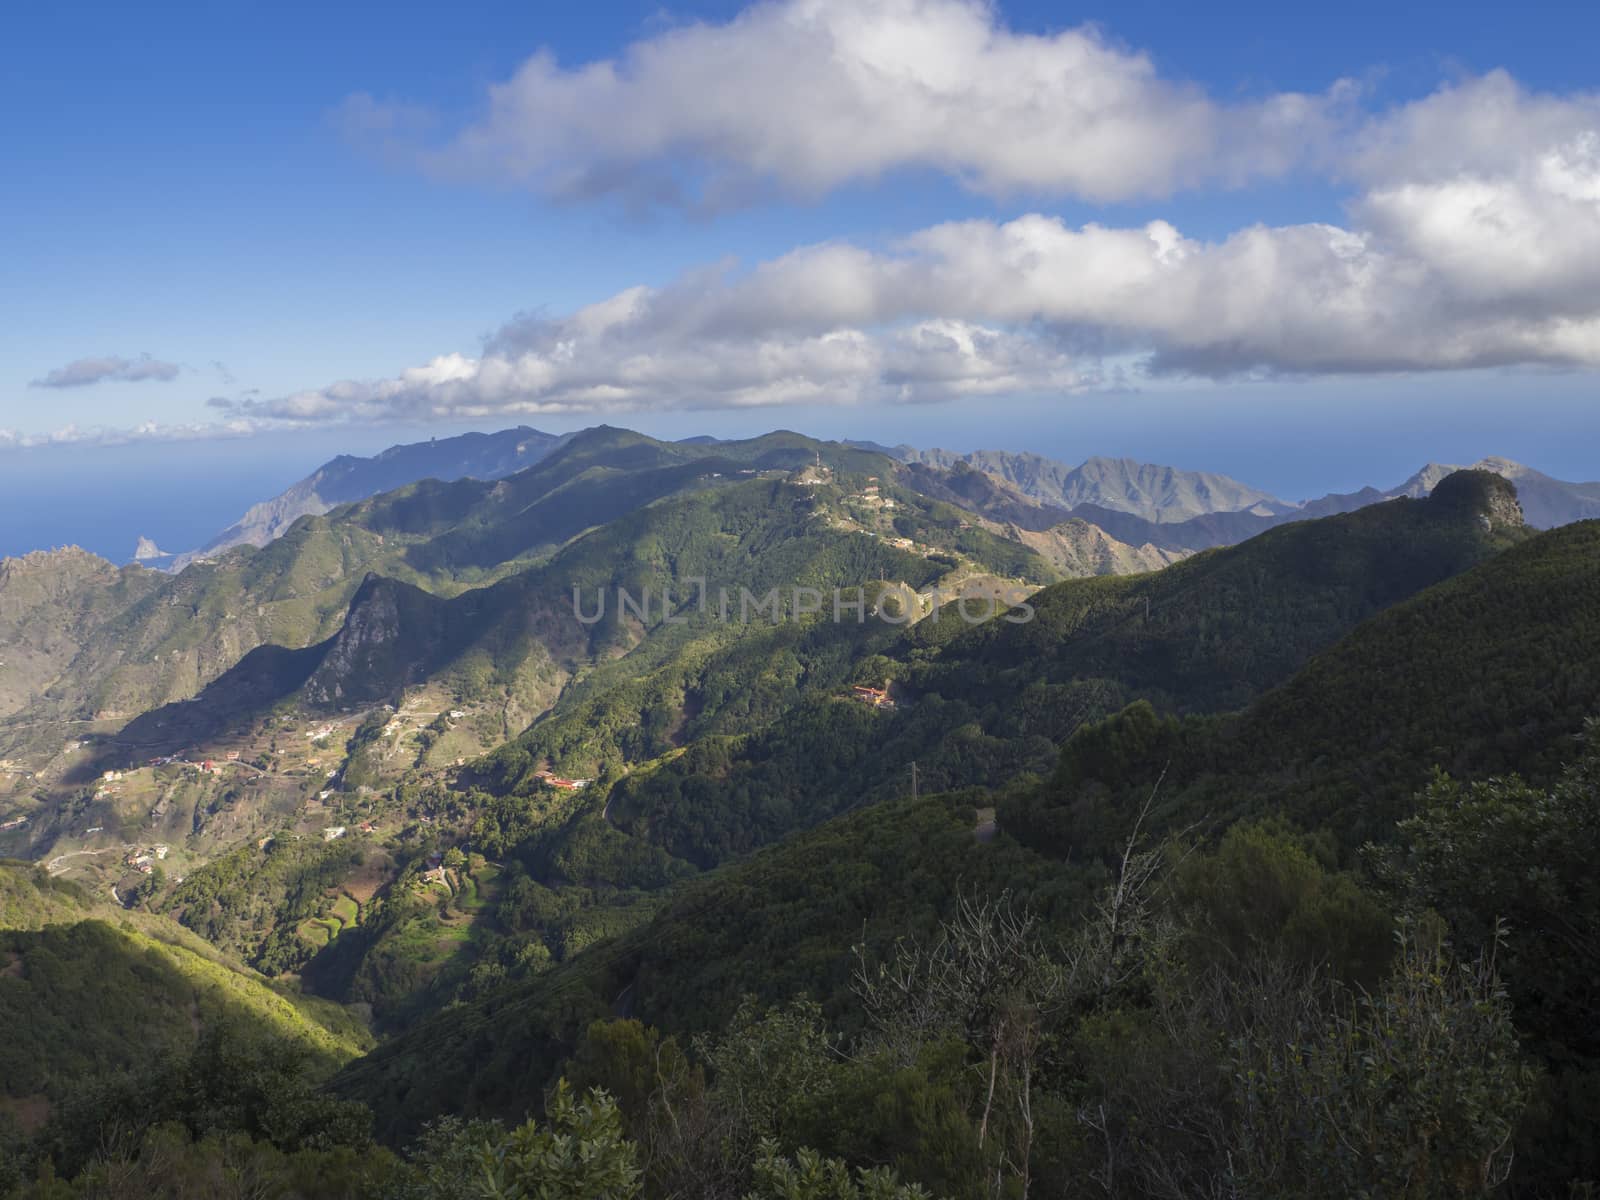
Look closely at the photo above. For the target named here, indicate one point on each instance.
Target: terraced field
(320, 931)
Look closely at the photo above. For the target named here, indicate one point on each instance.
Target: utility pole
(913, 781)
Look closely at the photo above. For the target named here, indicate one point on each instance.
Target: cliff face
(1492, 497)
(1546, 502)
(1077, 548)
(365, 650)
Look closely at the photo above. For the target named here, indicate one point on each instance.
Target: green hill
(86, 640)
(977, 705)
(522, 637)
(1493, 667)
(89, 994)
(776, 923)
(1192, 1003)
(1491, 672)
(30, 898)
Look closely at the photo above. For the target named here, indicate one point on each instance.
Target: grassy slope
(87, 991)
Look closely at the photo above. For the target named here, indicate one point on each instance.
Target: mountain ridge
(1156, 493)
(346, 478)
(1131, 501)
(1171, 509)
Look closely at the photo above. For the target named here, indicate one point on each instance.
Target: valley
(433, 786)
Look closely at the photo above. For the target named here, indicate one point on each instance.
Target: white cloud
(83, 372)
(573, 365)
(806, 95)
(1473, 241)
(1497, 189)
(147, 431)
(1491, 261)
(1487, 124)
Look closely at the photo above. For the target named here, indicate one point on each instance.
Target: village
(282, 772)
(144, 859)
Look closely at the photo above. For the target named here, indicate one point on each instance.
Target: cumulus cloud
(806, 95)
(1481, 268)
(1472, 240)
(576, 365)
(146, 431)
(86, 371)
(1496, 188)
(1487, 124)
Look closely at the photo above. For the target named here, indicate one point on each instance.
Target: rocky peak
(371, 623)
(1493, 498)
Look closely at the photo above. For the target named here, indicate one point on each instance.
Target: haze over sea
(179, 494)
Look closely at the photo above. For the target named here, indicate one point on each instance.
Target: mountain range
(410, 795)
(1127, 499)
(1157, 494)
(1124, 500)
(88, 642)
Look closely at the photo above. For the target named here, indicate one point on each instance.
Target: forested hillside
(1150, 884)
(91, 997)
(1489, 673)
(90, 643)
(1247, 894)
(981, 704)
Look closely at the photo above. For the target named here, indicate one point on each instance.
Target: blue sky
(311, 215)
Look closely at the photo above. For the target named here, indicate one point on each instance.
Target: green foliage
(1504, 862)
(31, 897)
(913, 1117)
(86, 1002)
(1413, 1092)
(721, 798)
(809, 1176)
(775, 927)
(151, 886)
(251, 900)
(580, 1154)
(171, 1164)
(1261, 891)
(81, 998)
(503, 823)
(1502, 854)
(421, 946)
(236, 1080)
(630, 1061)
(1491, 671)
(988, 703)
(766, 1063)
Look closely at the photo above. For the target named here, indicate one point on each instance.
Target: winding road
(54, 867)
